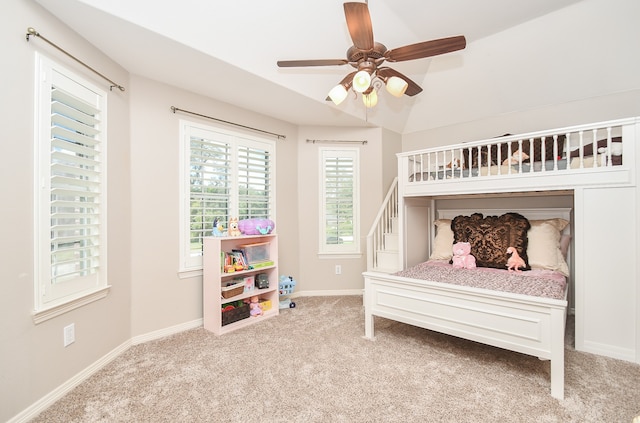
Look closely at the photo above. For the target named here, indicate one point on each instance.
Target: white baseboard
(53, 396)
(328, 293)
(171, 330)
(597, 348)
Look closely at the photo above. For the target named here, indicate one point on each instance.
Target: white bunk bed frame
(525, 324)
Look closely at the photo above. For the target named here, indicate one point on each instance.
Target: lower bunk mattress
(537, 282)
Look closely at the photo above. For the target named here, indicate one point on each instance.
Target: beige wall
(160, 298)
(33, 361)
(596, 109)
(147, 294)
(391, 144)
(317, 275)
(157, 288)
(576, 54)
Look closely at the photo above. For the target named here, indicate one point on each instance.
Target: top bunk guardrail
(526, 158)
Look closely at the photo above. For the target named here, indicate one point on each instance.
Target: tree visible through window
(209, 188)
(340, 198)
(225, 175)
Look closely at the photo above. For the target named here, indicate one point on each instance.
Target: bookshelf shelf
(214, 278)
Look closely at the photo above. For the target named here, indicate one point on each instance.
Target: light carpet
(312, 364)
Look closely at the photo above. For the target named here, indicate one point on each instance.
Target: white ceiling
(228, 50)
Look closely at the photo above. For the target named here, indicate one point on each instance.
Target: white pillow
(587, 161)
(543, 249)
(443, 243)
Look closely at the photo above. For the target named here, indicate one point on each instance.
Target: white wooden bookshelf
(214, 278)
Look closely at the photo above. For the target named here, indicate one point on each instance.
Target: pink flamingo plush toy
(515, 262)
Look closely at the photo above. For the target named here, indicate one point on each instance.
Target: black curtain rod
(32, 32)
(175, 109)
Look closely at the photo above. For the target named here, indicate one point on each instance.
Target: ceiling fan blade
(359, 24)
(346, 82)
(426, 49)
(412, 89)
(300, 63)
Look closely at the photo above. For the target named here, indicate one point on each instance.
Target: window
(339, 225)
(70, 218)
(224, 174)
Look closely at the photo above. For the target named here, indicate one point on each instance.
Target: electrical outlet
(338, 269)
(69, 334)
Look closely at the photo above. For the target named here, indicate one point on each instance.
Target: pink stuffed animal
(462, 258)
(515, 262)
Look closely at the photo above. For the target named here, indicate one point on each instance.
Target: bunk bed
(476, 304)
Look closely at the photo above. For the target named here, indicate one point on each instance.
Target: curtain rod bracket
(32, 32)
(176, 109)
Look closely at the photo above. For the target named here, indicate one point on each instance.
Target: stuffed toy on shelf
(255, 308)
(233, 227)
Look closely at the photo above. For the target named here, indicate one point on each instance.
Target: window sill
(339, 255)
(59, 309)
(186, 274)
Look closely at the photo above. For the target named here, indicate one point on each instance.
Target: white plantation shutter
(340, 199)
(75, 188)
(70, 196)
(224, 175)
(254, 182)
(209, 186)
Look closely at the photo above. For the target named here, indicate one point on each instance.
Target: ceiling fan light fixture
(370, 100)
(338, 94)
(396, 86)
(367, 56)
(361, 81)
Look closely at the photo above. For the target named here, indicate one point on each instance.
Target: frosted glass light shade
(396, 86)
(361, 81)
(338, 94)
(371, 99)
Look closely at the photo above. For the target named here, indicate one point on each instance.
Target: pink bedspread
(537, 283)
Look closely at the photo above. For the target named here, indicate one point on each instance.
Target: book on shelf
(237, 258)
(240, 257)
(234, 259)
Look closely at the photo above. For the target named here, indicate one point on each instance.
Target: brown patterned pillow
(491, 236)
(515, 146)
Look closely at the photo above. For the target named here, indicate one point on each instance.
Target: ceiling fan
(367, 56)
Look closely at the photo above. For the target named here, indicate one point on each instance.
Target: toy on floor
(515, 262)
(286, 286)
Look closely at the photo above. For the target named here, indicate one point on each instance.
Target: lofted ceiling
(228, 50)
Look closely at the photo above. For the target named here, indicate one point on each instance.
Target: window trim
(85, 291)
(346, 250)
(188, 266)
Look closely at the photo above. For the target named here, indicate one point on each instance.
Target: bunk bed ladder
(382, 239)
